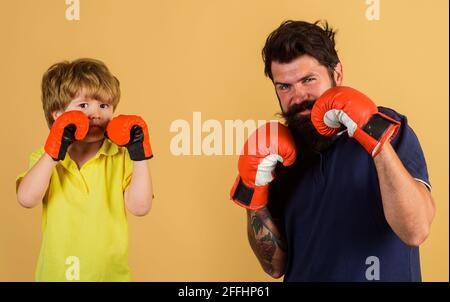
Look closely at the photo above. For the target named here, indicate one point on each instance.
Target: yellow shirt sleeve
(34, 157)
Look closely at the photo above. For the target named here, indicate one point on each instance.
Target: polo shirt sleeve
(408, 149)
(128, 171)
(34, 157)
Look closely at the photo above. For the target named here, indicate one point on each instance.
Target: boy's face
(99, 114)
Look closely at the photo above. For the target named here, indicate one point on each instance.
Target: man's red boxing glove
(69, 127)
(269, 144)
(346, 106)
(130, 131)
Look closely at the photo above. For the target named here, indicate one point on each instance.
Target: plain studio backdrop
(174, 58)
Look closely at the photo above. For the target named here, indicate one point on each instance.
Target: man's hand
(346, 106)
(270, 144)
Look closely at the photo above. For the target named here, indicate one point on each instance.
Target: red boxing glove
(346, 106)
(268, 145)
(130, 131)
(69, 127)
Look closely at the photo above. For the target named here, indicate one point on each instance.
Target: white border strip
(425, 183)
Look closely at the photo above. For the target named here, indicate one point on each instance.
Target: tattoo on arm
(264, 238)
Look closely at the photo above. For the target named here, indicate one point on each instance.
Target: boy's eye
(104, 106)
(83, 105)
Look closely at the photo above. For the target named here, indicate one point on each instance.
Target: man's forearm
(266, 242)
(408, 205)
(34, 184)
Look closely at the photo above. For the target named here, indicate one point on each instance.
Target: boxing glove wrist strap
(137, 153)
(252, 198)
(243, 193)
(377, 126)
(379, 129)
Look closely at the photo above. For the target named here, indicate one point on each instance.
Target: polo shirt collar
(107, 149)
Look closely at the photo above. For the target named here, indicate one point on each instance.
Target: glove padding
(268, 145)
(346, 106)
(130, 131)
(69, 127)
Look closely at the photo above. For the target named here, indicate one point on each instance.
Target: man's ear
(338, 74)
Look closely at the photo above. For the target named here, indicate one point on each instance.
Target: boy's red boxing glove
(268, 145)
(346, 106)
(130, 131)
(69, 127)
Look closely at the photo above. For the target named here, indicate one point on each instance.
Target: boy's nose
(94, 113)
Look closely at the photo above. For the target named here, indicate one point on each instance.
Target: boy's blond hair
(63, 81)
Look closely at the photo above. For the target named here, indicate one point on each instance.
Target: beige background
(176, 57)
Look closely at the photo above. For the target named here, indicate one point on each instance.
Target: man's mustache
(297, 108)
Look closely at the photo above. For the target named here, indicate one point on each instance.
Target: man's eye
(283, 86)
(307, 80)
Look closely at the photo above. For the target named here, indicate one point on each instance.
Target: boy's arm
(34, 184)
(139, 194)
(131, 131)
(67, 128)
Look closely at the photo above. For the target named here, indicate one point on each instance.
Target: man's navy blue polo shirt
(331, 213)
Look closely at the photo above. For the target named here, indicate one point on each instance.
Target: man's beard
(308, 140)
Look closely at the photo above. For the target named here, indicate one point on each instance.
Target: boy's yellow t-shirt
(84, 223)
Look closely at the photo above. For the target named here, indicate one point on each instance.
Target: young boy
(84, 180)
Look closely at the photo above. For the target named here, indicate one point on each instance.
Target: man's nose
(300, 94)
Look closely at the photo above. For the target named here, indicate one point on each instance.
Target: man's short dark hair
(296, 38)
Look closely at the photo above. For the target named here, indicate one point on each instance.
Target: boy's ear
(56, 114)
